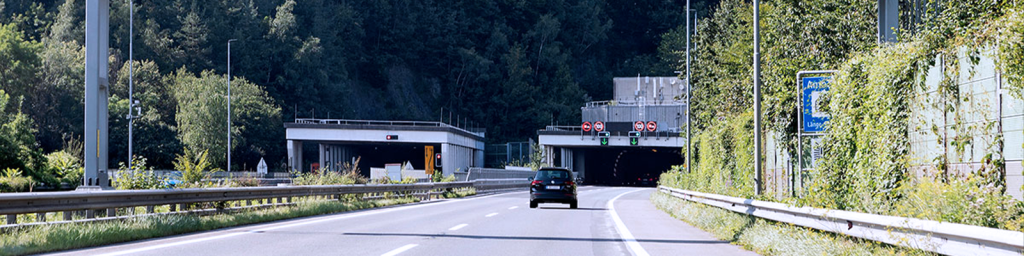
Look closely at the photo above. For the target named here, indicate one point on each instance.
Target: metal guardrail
(40, 203)
(933, 236)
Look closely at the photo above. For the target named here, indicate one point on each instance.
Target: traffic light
(634, 138)
(437, 160)
(391, 137)
(604, 138)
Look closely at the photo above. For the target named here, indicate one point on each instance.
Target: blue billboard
(813, 90)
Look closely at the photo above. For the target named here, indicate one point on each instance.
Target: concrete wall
(655, 90)
(988, 111)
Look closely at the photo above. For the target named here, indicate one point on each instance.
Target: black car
(553, 185)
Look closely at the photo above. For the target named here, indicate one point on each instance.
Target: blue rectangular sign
(814, 88)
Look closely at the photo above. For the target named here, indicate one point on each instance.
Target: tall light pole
(229, 103)
(131, 64)
(757, 100)
(689, 162)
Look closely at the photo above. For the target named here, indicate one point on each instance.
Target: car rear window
(553, 174)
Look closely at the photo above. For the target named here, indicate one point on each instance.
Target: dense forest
(508, 66)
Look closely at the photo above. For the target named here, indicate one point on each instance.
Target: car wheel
(573, 205)
(533, 204)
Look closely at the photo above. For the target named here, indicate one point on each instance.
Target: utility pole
(229, 103)
(131, 84)
(689, 157)
(757, 100)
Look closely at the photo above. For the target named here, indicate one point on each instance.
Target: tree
(202, 115)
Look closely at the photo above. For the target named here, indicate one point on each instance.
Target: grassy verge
(768, 237)
(47, 238)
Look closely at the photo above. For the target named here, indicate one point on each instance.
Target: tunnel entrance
(376, 155)
(627, 166)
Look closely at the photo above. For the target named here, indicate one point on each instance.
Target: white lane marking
(457, 227)
(399, 250)
(299, 223)
(513, 207)
(491, 215)
(631, 243)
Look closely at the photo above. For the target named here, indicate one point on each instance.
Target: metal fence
(88, 204)
(932, 236)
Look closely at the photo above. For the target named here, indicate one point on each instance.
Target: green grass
(768, 237)
(48, 238)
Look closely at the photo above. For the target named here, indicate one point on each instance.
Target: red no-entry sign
(651, 126)
(638, 126)
(586, 126)
(599, 126)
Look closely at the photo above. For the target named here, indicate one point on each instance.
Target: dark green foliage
(510, 67)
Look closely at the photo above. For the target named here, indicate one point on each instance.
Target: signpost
(813, 90)
(428, 159)
(812, 120)
(261, 168)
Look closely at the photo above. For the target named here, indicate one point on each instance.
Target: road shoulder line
(626, 236)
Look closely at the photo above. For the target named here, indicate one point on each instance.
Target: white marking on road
(399, 250)
(298, 223)
(457, 227)
(513, 207)
(631, 243)
(491, 215)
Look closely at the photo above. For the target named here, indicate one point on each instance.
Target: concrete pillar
(294, 155)
(322, 152)
(478, 158)
(97, 15)
(447, 159)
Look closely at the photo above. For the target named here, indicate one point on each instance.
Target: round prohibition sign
(599, 126)
(652, 126)
(586, 126)
(638, 126)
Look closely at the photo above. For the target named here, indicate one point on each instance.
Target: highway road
(609, 221)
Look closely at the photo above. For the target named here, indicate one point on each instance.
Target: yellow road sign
(428, 159)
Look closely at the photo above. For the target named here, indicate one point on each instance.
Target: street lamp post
(757, 100)
(131, 84)
(229, 103)
(689, 162)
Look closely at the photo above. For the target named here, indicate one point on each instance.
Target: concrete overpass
(341, 140)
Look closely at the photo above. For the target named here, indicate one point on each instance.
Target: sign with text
(813, 89)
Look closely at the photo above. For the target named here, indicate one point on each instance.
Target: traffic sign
(262, 167)
(639, 126)
(814, 119)
(586, 126)
(599, 126)
(652, 126)
(604, 138)
(428, 153)
(634, 138)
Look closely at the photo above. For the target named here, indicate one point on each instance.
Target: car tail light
(569, 183)
(534, 183)
(637, 178)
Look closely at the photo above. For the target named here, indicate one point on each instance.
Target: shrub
(13, 181)
(195, 168)
(66, 166)
(138, 176)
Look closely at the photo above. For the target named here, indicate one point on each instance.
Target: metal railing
(87, 204)
(464, 128)
(932, 236)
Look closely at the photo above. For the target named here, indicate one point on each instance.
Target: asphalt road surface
(609, 221)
